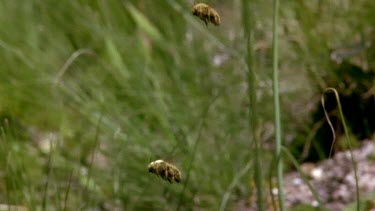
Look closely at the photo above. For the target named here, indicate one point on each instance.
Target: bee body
(165, 170)
(206, 13)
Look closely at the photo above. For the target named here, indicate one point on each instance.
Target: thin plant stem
(346, 130)
(68, 190)
(277, 105)
(94, 150)
(270, 183)
(195, 148)
(253, 121)
(4, 149)
(303, 176)
(330, 126)
(49, 173)
(70, 61)
(233, 184)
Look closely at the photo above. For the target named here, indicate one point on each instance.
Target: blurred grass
(151, 71)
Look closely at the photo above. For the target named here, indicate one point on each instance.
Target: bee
(165, 170)
(206, 13)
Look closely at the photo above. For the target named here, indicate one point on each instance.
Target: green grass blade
(303, 176)
(275, 54)
(248, 23)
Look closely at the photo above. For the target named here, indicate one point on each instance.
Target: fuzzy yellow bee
(206, 13)
(165, 170)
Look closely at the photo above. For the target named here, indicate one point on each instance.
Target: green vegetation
(93, 91)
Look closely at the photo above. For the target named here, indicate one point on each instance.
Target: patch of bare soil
(334, 180)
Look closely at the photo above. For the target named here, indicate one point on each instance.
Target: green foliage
(366, 203)
(306, 207)
(134, 81)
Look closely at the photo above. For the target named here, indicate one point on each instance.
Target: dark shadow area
(357, 94)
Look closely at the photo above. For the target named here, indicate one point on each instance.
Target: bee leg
(212, 19)
(161, 173)
(206, 22)
(169, 175)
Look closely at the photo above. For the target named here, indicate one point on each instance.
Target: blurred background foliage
(92, 91)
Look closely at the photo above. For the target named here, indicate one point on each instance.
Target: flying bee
(206, 13)
(165, 170)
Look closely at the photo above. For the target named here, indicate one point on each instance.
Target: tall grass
(275, 83)
(149, 70)
(348, 140)
(248, 23)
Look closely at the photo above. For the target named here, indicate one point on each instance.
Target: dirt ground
(333, 180)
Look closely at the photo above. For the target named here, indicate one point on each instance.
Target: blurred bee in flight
(206, 13)
(165, 170)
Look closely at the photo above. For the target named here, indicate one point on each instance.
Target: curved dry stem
(329, 123)
(354, 163)
(70, 61)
